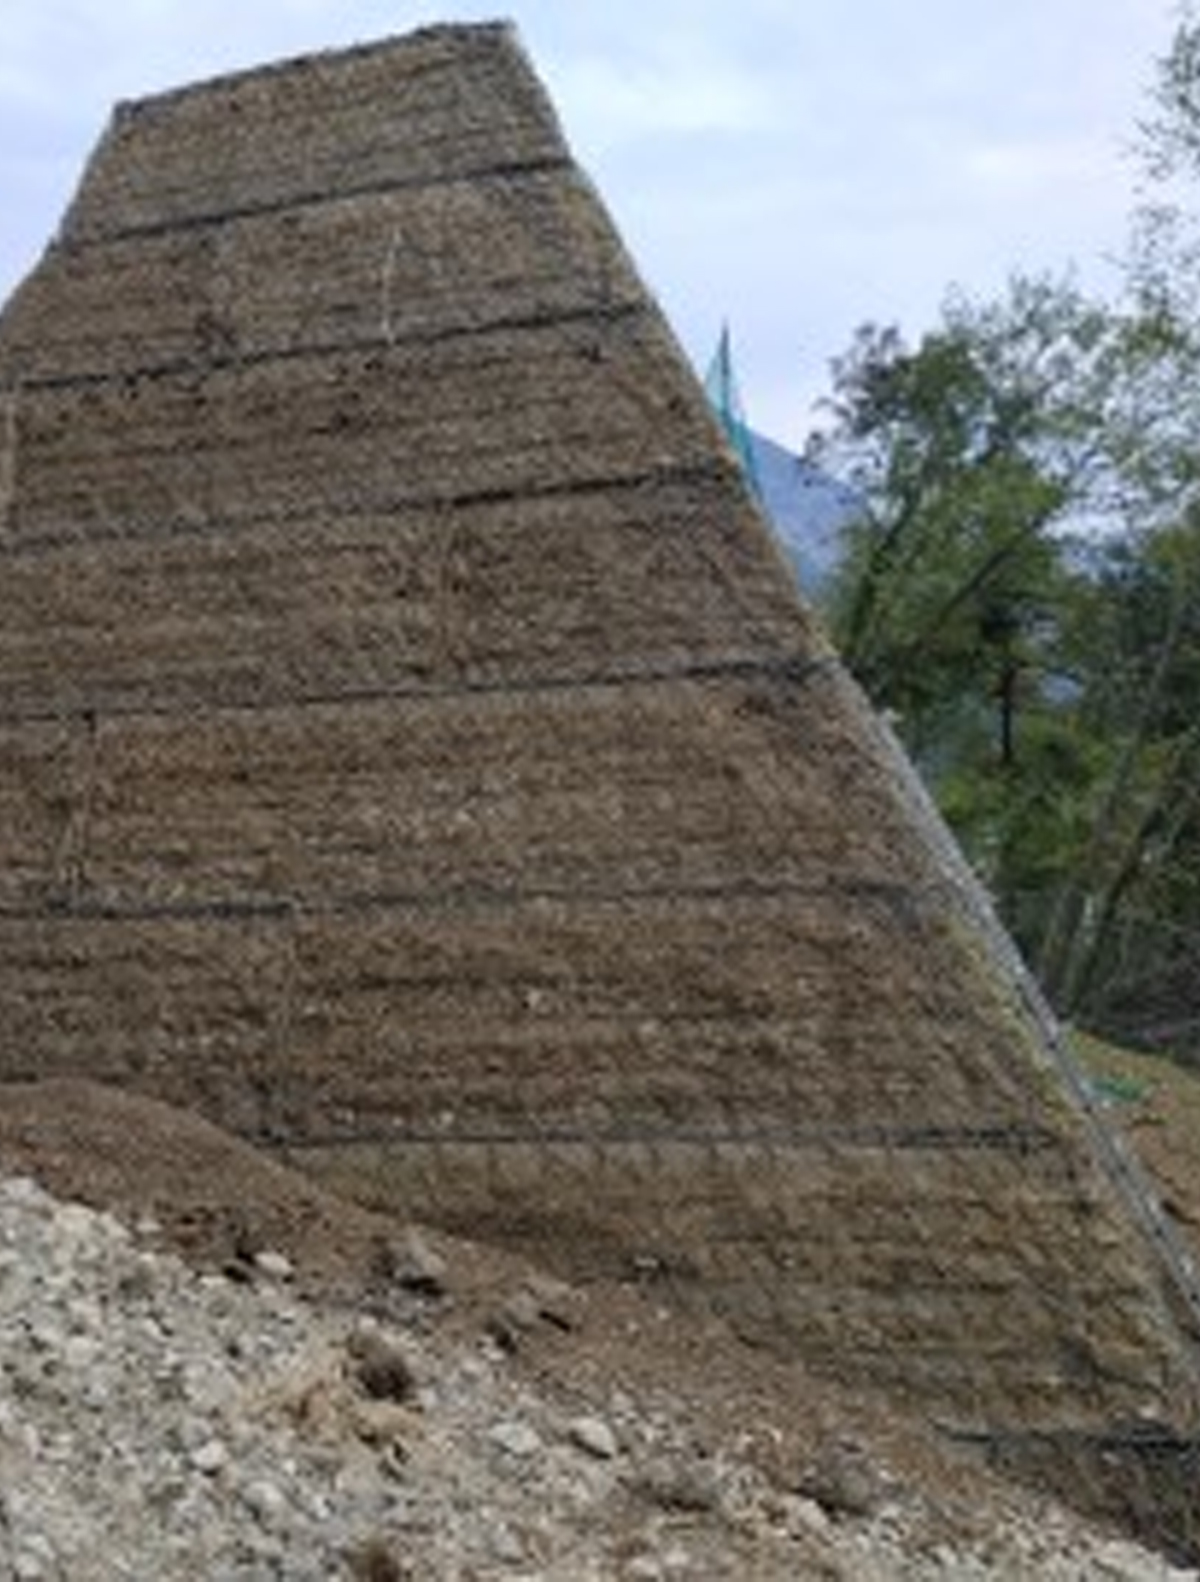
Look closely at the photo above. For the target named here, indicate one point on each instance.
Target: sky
(792, 167)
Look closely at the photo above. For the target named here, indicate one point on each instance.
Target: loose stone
(595, 1436)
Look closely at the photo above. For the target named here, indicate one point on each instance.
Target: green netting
(721, 386)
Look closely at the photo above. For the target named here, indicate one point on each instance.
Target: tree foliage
(1021, 589)
(1122, 936)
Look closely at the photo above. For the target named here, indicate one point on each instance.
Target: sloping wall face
(413, 755)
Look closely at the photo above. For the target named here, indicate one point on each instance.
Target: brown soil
(218, 1202)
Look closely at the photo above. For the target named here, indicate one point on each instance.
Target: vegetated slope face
(414, 755)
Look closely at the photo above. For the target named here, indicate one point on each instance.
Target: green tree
(1121, 937)
(966, 453)
(1021, 590)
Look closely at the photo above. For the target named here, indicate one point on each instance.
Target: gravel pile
(160, 1422)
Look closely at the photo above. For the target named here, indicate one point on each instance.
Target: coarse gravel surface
(182, 1399)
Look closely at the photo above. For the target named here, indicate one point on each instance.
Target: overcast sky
(793, 166)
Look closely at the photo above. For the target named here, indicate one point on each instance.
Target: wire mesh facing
(415, 758)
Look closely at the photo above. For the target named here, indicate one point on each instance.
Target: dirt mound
(225, 1205)
(612, 1352)
(220, 1201)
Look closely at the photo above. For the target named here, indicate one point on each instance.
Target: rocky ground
(217, 1371)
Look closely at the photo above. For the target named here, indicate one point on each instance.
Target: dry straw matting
(414, 756)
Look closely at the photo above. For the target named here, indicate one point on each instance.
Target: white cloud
(670, 92)
(1016, 166)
